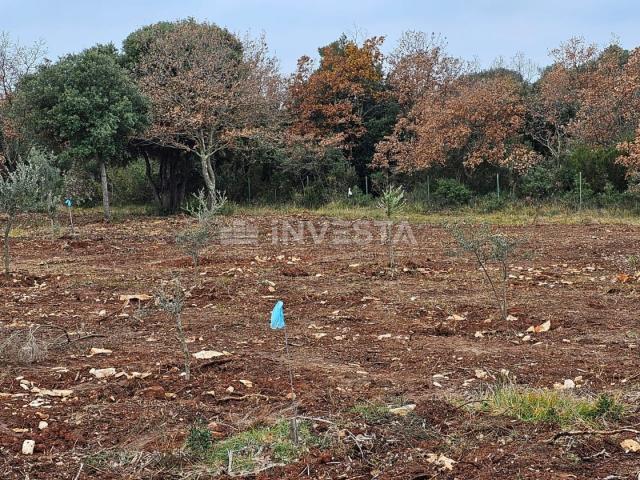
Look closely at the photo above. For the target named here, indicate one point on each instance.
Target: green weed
(254, 449)
(552, 406)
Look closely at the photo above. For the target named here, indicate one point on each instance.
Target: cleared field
(363, 343)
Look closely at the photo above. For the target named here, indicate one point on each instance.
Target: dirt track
(386, 338)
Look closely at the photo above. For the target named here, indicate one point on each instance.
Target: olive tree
(26, 189)
(487, 247)
(170, 298)
(206, 211)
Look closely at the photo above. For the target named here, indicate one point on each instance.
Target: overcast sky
(482, 29)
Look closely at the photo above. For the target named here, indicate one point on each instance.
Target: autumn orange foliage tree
(588, 96)
(333, 99)
(609, 113)
(555, 100)
(478, 120)
(418, 66)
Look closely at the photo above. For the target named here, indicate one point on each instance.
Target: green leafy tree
(86, 107)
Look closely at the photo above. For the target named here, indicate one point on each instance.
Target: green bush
(610, 196)
(490, 203)
(450, 192)
(130, 185)
(199, 441)
(572, 197)
(598, 166)
(312, 196)
(540, 182)
(359, 198)
(80, 186)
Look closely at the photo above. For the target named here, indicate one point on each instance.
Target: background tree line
(188, 105)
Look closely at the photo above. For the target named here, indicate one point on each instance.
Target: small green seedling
(391, 202)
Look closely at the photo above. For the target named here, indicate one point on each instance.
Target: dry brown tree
(208, 90)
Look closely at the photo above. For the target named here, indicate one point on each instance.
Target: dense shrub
(490, 203)
(598, 166)
(129, 184)
(312, 196)
(579, 189)
(80, 186)
(330, 180)
(610, 196)
(540, 182)
(450, 192)
(359, 198)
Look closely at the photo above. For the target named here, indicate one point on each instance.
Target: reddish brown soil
(346, 292)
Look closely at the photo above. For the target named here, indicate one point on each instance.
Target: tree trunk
(169, 188)
(185, 348)
(105, 191)
(7, 230)
(149, 173)
(390, 245)
(208, 175)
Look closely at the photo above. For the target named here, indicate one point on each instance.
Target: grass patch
(18, 232)
(372, 412)
(512, 214)
(252, 450)
(551, 406)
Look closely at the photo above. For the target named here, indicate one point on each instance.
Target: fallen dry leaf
(623, 278)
